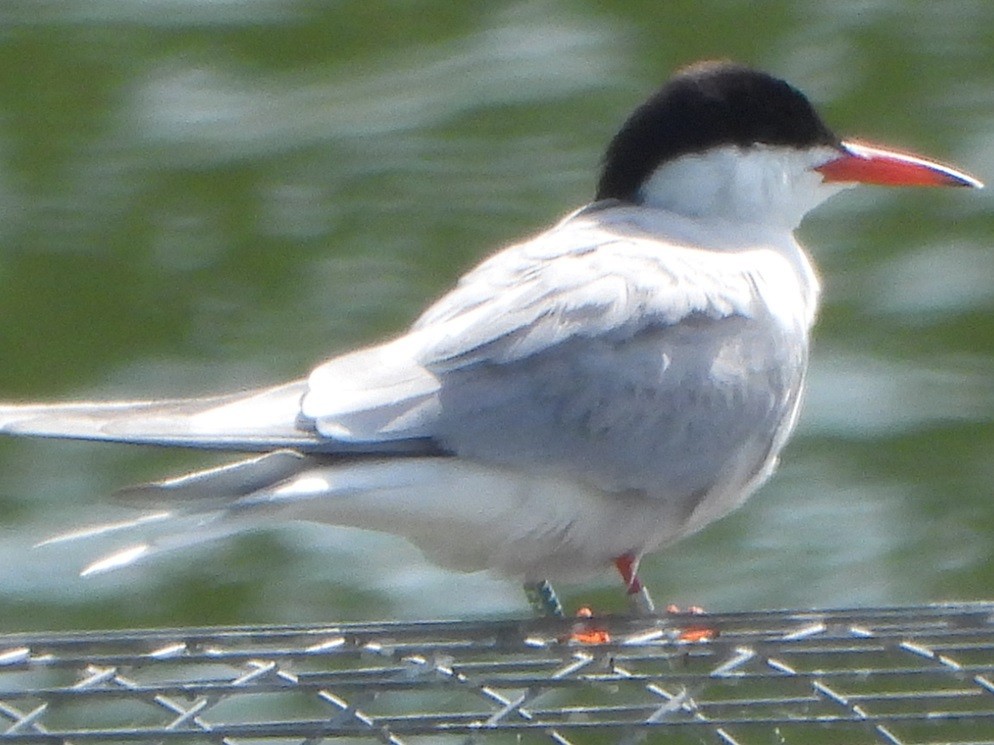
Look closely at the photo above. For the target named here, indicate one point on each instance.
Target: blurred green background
(207, 195)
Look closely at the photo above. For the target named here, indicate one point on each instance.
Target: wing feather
(585, 279)
(581, 296)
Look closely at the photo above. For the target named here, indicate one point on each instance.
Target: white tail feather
(105, 529)
(116, 560)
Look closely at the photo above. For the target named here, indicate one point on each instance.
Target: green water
(199, 196)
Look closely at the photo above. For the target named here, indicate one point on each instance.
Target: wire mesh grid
(899, 675)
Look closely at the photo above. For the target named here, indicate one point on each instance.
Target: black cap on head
(704, 105)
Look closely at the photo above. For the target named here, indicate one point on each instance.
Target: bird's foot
(694, 632)
(588, 633)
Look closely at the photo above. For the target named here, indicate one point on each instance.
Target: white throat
(762, 184)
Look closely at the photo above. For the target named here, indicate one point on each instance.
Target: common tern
(580, 399)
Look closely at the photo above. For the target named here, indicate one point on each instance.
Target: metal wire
(900, 676)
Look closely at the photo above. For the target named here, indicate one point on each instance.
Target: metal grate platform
(899, 675)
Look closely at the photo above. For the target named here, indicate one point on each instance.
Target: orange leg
(638, 597)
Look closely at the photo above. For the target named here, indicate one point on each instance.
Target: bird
(581, 398)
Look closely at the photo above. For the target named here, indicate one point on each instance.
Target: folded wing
(588, 279)
(249, 421)
(585, 285)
